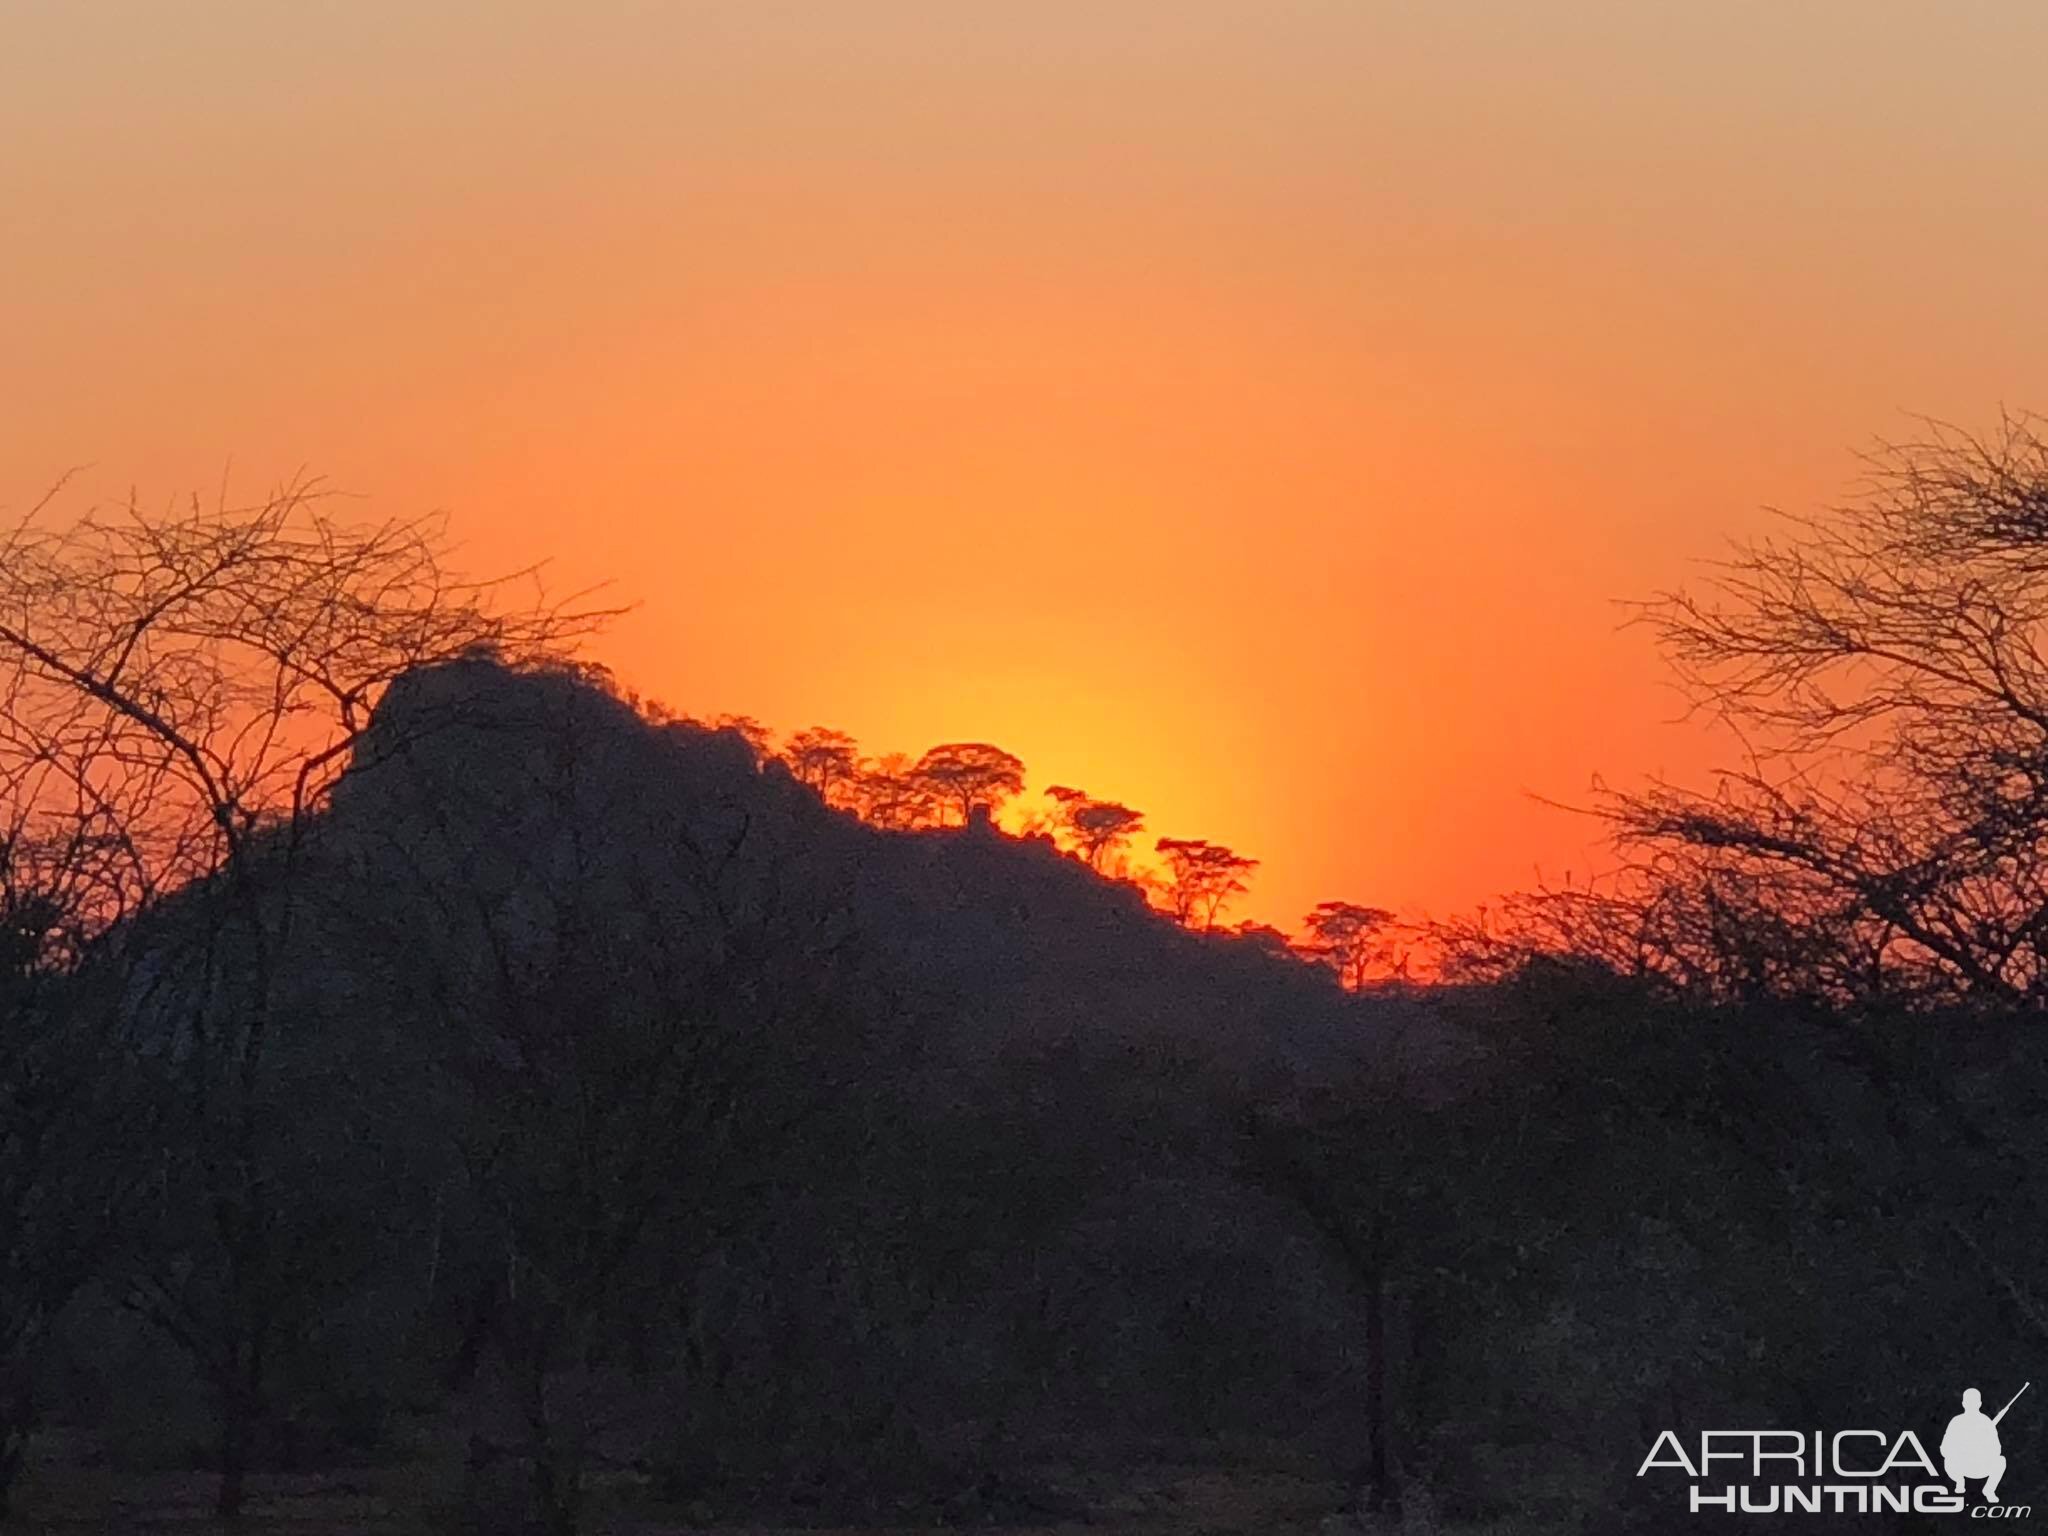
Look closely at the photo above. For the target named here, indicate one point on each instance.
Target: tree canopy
(965, 776)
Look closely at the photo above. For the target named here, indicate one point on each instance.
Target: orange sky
(1244, 410)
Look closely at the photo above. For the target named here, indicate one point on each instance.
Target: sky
(1249, 411)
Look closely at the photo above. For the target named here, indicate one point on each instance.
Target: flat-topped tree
(823, 758)
(1348, 938)
(886, 792)
(1093, 829)
(1202, 878)
(196, 682)
(963, 775)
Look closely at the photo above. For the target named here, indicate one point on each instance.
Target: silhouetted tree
(1348, 938)
(1093, 830)
(1202, 878)
(198, 680)
(1890, 835)
(824, 759)
(969, 774)
(887, 793)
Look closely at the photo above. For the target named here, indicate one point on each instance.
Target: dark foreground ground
(1203, 1491)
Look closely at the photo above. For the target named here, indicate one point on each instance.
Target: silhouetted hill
(1004, 944)
(978, 1098)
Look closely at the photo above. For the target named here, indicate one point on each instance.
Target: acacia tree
(199, 679)
(887, 793)
(1348, 938)
(1202, 878)
(1888, 836)
(824, 759)
(1094, 830)
(966, 775)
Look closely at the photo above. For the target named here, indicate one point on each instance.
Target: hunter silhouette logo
(1845, 1471)
(1971, 1448)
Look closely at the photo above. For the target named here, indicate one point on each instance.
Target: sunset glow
(1246, 412)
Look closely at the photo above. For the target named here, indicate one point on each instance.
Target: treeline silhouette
(962, 784)
(415, 1052)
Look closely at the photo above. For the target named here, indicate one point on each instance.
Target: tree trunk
(1381, 1496)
